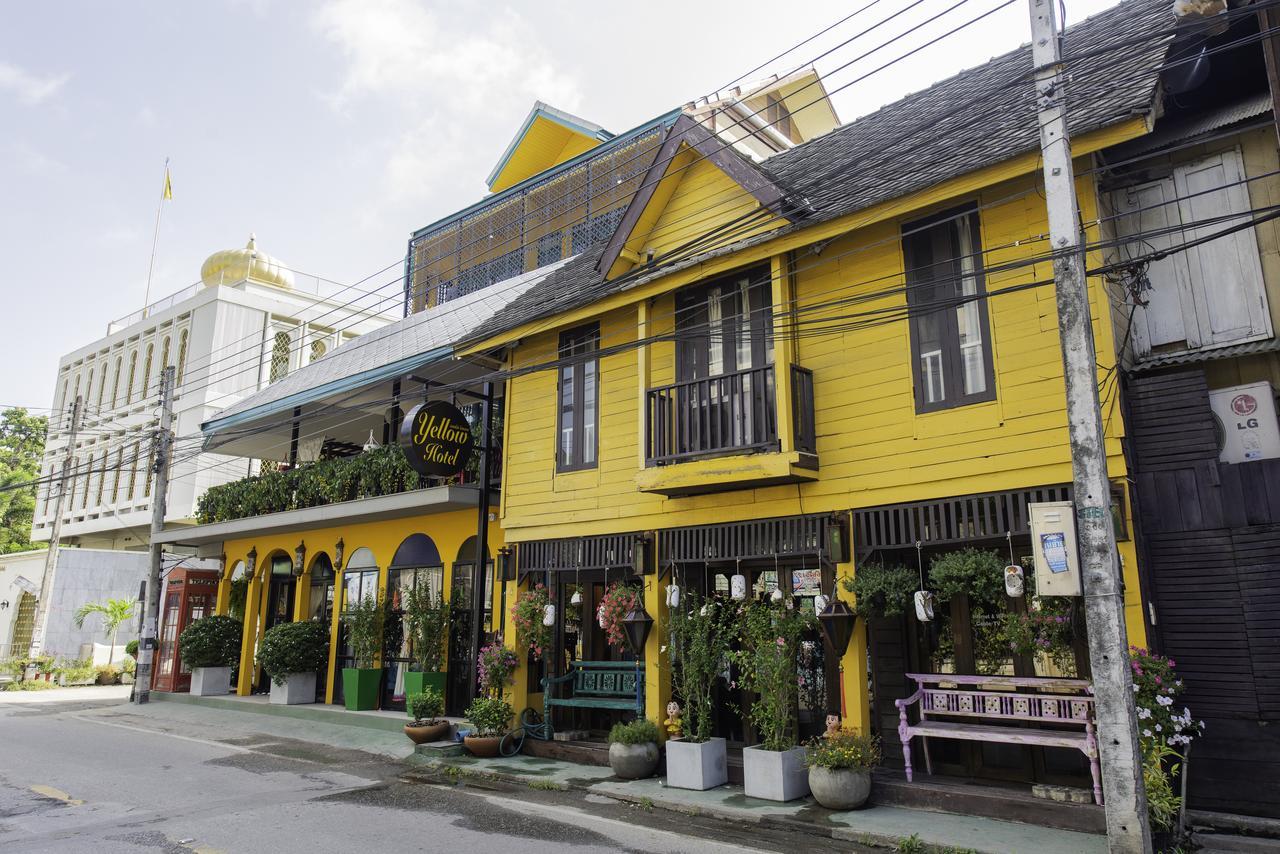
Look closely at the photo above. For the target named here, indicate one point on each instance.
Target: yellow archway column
(657, 663)
(222, 602)
(338, 604)
(518, 694)
(856, 705)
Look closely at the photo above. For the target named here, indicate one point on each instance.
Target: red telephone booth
(189, 595)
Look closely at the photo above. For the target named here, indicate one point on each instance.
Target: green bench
(615, 685)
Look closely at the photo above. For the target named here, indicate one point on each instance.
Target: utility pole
(51, 556)
(1126, 799)
(163, 442)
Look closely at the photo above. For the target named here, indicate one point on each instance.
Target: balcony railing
(730, 413)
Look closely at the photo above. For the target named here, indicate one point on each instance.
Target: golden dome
(234, 265)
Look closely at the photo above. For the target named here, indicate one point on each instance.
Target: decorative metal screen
(950, 520)
(762, 538)
(529, 227)
(612, 551)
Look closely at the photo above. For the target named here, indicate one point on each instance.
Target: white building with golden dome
(248, 322)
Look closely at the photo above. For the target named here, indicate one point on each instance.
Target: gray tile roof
(921, 140)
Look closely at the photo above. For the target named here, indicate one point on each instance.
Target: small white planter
(698, 766)
(774, 775)
(298, 688)
(210, 681)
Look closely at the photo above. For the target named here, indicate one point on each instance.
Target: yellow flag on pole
(168, 187)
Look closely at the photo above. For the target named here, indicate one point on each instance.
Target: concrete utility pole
(1126, 799)
(159, 501)
(51, 556)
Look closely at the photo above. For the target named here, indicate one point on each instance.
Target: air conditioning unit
(1246, 416)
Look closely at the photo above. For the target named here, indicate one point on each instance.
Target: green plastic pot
(360, 688)
(415, 682)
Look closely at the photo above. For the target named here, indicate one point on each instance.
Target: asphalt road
(98, 778)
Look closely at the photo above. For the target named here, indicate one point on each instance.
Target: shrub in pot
(633, 749)
(426, 708)
(426, 619)
(211, 648)
(774, 769)
(840, 768)
(490, 716)
(360, 683)
(701, 630)
(291, 653)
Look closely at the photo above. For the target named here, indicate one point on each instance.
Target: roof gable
(690, 169)
(546, 138)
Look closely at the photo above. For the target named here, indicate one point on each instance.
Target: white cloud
(30, 88)
(29, 160)
(458, 73)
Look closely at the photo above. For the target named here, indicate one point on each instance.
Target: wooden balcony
(728, 432)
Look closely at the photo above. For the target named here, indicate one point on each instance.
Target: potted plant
(494, 668)
(633, 749)
(364, 632)
(291, 653)
(489, 716)
(840, 768)
(211, 647)
(881, 591)
(426, 619)
(426, 708)
(774, 769)
(700, 635)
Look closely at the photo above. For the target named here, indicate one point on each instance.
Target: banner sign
(437, 439)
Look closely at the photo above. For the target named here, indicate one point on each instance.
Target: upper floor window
(279, 357)
(1208, 295)
(133, 370)
(579, 398)
(182, 355)
(146, 370)
(725, 326)
(950, 337)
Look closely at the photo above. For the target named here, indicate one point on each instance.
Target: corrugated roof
(883, 156)
(385, 353)
(1154, 361)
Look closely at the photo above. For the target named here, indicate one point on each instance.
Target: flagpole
(155, 238)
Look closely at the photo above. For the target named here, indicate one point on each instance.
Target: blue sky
(333, 128)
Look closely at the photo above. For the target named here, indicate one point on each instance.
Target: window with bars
(578, 396)
(279, 357)
(182, 355)
(115, 484)
(115, 382)
(318, 348)
(164, 354)
(950, 340)
(146, 370)
(135, 459)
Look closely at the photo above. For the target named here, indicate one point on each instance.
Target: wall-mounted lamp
(4, 604)
(642, 554)
(251, 561)
(299, 556)
(837, 536)
(338, 548)
(507, 563)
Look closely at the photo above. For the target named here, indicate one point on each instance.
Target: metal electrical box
(1057, 556)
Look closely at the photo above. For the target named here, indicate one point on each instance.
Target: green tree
(22, 438)
(113, 611)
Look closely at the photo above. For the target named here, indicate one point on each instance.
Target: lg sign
(1244, 404)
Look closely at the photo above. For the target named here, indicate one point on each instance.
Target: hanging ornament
(923, 598)
(549, 614)
(819, 603)
(738, 584)
(600, 617)
(1014, 582)
(776, 595)
(673, 596)
(576, 598)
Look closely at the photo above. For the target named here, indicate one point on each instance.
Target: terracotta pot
(482, 745)
(427, 732)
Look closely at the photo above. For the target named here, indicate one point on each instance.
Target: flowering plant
(618, 601)
(1044, 631)
(494, 668)
(843, 749)
(1155, 688)
(527, 615)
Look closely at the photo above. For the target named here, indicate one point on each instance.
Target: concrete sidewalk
(875, 825)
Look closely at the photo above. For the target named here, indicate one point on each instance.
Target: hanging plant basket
(618, 601)
(527, 614)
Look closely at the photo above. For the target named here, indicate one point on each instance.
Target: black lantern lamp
(838, 621)
(251, 559)
(299, 556)
(837, 538)
(507, 563)
(338, 549)
(642, 555)
(637, 625)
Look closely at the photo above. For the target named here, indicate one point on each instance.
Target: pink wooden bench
(1018, 699)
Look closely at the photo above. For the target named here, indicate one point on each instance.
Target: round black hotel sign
(436, 438)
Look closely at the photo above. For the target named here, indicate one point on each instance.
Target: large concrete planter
(696, 765)
(774, 775)
(633, 761)
(298, 688)
(840, 788)
(360, 688)
(210, 681)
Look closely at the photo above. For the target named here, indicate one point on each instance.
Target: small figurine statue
(672, 723)
(833, 726)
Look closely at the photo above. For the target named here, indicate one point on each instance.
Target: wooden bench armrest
(906, 702)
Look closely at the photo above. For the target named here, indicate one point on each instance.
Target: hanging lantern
(673, 596)
(924, 605)
(738, 586)
(837, 624)
(776, 595)
(819, 603)
(637, 625)
(299, 557)
(549, 615)
(507, 563)
(576, 598)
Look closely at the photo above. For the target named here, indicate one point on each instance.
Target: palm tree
(113, 611)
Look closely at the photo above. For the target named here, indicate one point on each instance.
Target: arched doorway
(281, 588)
(416, 562)
(320, 607)
(238, 593)
(467, 578)
(359, 579)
